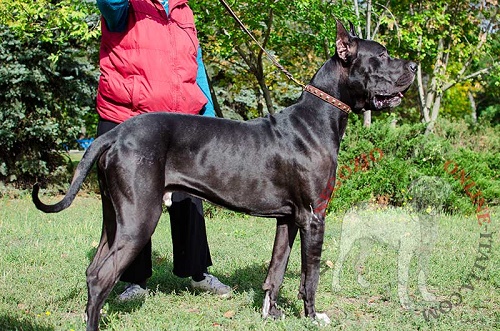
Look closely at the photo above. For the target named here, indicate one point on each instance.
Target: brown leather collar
(328, 98)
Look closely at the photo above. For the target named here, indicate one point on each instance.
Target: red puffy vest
(151, 66)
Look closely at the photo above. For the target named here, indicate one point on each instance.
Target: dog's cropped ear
(344, 43)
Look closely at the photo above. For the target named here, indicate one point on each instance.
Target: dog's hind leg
(404, 258)
(286, 231)
(136, 216)
(423, 262)
(346, 242)
(364, 251)
(108, 229)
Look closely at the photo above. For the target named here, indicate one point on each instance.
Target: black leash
(269, 56)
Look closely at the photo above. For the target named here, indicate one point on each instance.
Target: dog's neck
(332, 78)
(327, 98)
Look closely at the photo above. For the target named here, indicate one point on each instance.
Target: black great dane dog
(280, 166)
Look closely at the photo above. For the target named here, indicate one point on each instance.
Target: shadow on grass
(11, 323)
(248, 279)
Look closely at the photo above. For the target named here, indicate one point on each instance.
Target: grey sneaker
(212, 285)
(132, 292)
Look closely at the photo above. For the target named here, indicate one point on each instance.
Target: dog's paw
(404, 299)
(336, 286)
(274, 313)
(269, 310)
(167, 199)
(406, 305)
(427, 296)
(321, 319)
(363, 282)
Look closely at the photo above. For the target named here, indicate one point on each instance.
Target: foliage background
(408, 154)
(49, 71)
(48, 78)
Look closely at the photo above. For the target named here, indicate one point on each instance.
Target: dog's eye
(383, 55)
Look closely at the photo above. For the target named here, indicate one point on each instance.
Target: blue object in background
(85, 143)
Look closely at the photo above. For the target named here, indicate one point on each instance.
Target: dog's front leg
(422, 277)
(406, 250)
(311, 236)
(286, 231)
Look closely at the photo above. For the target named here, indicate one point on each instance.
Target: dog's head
(375, 80)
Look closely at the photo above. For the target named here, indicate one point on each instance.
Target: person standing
(150, 61)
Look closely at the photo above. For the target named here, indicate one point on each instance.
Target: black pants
(189, 237)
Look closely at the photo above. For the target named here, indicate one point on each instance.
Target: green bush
(42, 107)
(408, 154)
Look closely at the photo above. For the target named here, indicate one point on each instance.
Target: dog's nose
(413, 66)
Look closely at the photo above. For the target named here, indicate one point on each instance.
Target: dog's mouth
(387, 101)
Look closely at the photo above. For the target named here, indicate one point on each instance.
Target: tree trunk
(267, 95)
(434, 91)
(472, 106)
(424, 111)
(367, 115)
(435, 112)
(431, 99)
(367, 118)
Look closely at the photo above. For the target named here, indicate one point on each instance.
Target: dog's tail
(95, 150)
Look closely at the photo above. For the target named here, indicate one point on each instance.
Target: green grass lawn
(43, 258)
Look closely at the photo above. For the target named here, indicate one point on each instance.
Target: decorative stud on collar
(328, 98)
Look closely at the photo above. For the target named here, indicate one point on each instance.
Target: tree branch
(267, 34)
(462, 79)
(424, 111)
(356, 10)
